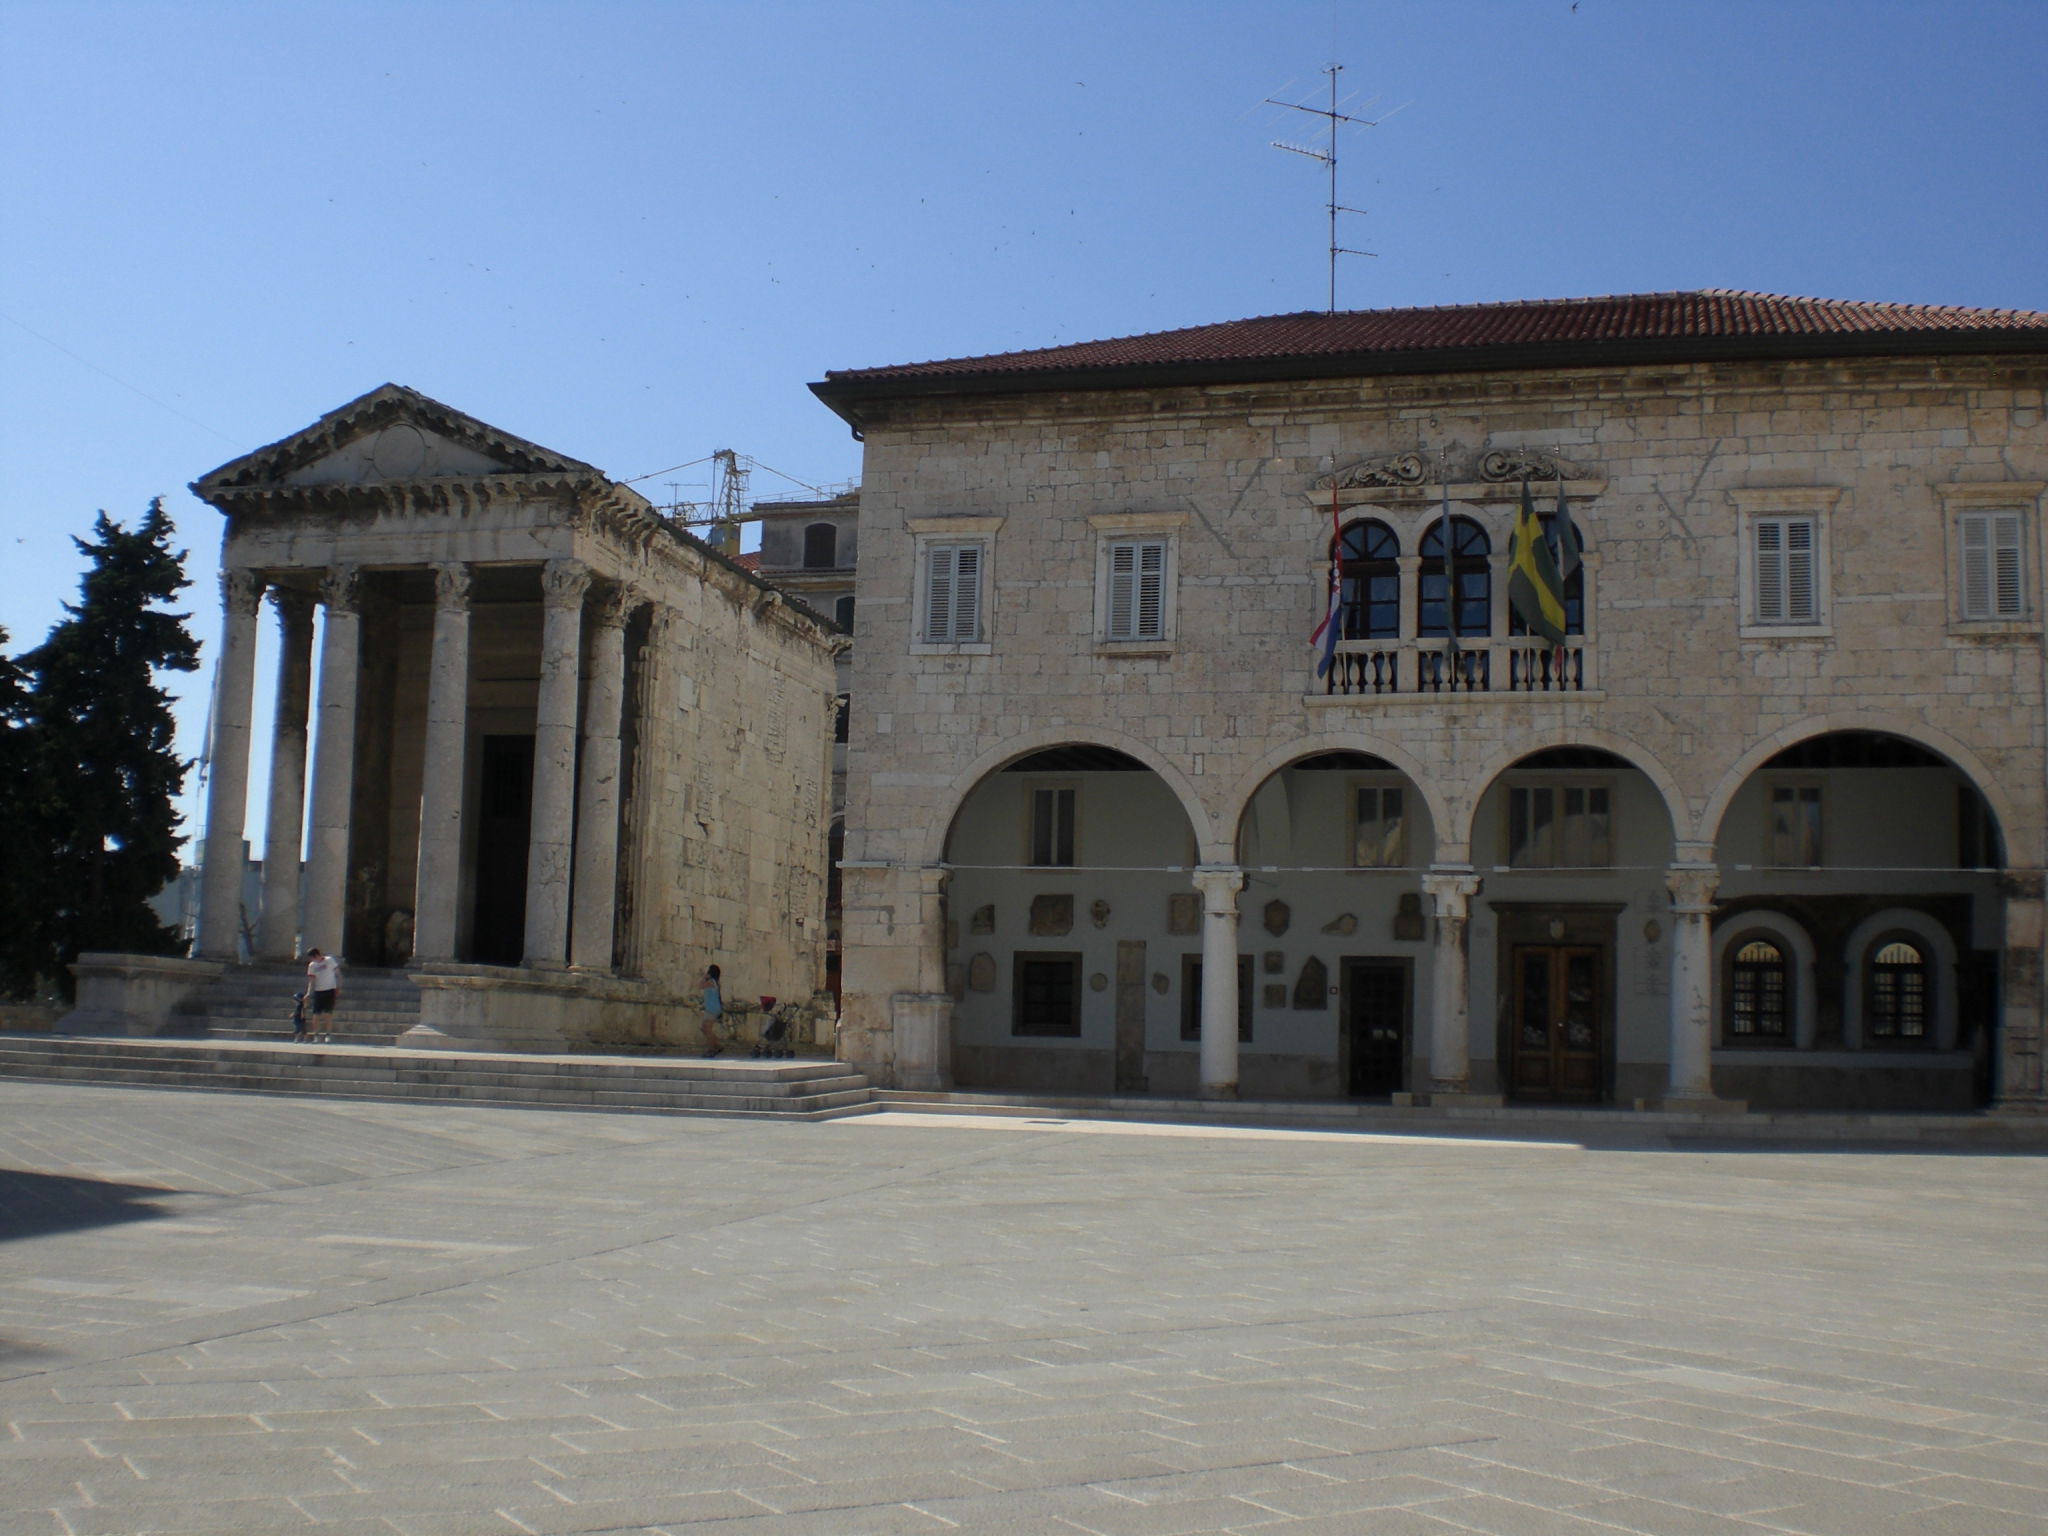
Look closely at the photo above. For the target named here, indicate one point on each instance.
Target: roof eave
(844, 395)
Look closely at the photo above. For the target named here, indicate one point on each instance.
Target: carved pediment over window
(1394, 469)
(1509, 464)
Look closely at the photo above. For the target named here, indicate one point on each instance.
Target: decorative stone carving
(1278, 916)
(451, 586)
(1275, 995)
(563, 582)
(341, 589)
(1312, 986)
(1505, 464)
(1273, 962)
(1052, 916)
(1409, 923)
(1395, 469)
(241, 592)
(983, 920)
(1098, 982)
(981, 973)
(1160, 984)
(1184, 912)
(1343, 922)
(1098, 913)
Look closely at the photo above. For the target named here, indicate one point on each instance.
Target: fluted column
(1450, 888)
(1219, 885)
(284, 832)
(554, 765)
(439, 882)
(334, 762)
(1692, 889)
(227, 789)
(597, 807)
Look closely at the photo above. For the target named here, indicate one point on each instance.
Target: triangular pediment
(390, 436)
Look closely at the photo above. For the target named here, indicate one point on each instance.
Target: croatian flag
(1324, 640)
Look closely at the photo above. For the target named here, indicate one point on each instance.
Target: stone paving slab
(251, 1315)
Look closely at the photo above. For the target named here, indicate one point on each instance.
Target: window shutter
(1770, 573)
(966, 592)
(1152, 591)
(2007, 566)
(1123, 591)
(1975, 530)
(938, 594)
(1802, 598)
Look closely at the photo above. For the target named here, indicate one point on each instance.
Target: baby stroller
(775, 1042)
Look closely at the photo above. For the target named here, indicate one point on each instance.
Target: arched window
(1759, 995)
(1899, 995)
(1574, 594)
(1372, 581)
(1471, 603)
(842, 612)
(821, 547)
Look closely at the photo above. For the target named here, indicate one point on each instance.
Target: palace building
(1766, 827)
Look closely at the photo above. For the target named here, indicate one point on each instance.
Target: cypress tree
(102, 770)
(19, 867)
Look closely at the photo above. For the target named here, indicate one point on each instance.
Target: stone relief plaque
(1278, 916)
(981, 972)
(1408, 920)
(1098, 913)
(1184, 912)
(1312, 986)
(983, 920)
(1275, 995)
(1052, 916)
(1342, 923)
(1098, 982)
(1160, 984)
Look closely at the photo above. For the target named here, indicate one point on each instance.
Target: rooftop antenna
(1329, 158)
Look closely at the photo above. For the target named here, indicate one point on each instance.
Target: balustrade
(1369, 668)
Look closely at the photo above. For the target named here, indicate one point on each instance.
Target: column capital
(563, 583)
(1219, 885)
(241, 591)
(451, 586)
(341, 589)
(1451, 888)
(1692, 888)
(614, 606)
(294, 608)
(932, 878)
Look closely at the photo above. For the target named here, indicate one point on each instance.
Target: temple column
(1450, 888)
(1692, 889)
(334, 762)
(1219, 885)
(597, 809)
(227, 789)
(554, 765)
(284, 832)
(2019, 1081)
(439, 884)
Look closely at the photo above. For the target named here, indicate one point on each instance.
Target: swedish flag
(1535, 591)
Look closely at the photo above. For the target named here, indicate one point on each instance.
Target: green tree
(101, 773)
(18, 864)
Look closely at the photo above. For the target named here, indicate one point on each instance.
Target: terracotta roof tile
(1705, 315)
(750, 561)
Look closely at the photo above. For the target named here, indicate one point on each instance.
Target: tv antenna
(1328, 158)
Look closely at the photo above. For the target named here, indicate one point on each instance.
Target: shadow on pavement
(36, 1204)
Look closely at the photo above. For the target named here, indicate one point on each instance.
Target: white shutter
(1802, 597)
(1975, 530)
(1152, 590)
(938, 594)
(1770, 573)
(1123, 590)
(966, 592)
(1993, 565)
(2008, 567)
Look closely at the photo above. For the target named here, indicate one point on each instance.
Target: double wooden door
(1560, 1019)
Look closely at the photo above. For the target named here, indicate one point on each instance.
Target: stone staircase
(666, 1085)
(254, 1002)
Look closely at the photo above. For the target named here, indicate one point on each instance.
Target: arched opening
(1333, 930)
(1459, 590)
(821, 547)
(1574, 843)
(1886, 854)
(1368, 564)
(1068, 903)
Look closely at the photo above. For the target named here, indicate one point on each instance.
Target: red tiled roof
(1683, 323)
(750, 561)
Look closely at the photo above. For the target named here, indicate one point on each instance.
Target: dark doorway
(1559, 1018)
(504, 826)
(1376, 1009)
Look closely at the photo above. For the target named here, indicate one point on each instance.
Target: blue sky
(633, 231)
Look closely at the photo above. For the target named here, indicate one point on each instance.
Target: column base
(1221, 1092)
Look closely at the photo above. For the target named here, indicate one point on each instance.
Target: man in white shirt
(323, 986)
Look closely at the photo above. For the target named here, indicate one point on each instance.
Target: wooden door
(1559, 1022)
(1376, 1027)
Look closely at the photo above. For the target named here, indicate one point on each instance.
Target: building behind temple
(1767, 827)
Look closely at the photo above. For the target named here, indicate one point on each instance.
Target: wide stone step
(653, 1085)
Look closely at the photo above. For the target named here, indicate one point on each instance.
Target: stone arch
(1792, 934)
(932, 851)
(1237, 801)
(1959, 757)
(1919, 926)
(1677, 805)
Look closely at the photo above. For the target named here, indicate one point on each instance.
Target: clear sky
(633, 232)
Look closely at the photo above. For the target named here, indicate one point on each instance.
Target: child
(714, 1011)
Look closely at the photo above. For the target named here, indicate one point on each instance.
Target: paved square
(221, 1313)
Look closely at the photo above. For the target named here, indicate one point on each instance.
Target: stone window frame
(1792, 941)
(1378, 781)
(2022, 497)
(1936, 943)
(1033, 787)
(1813, 503)
(1114, 528)
(928, 532)
(1560, 782)
(1071, 1028)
